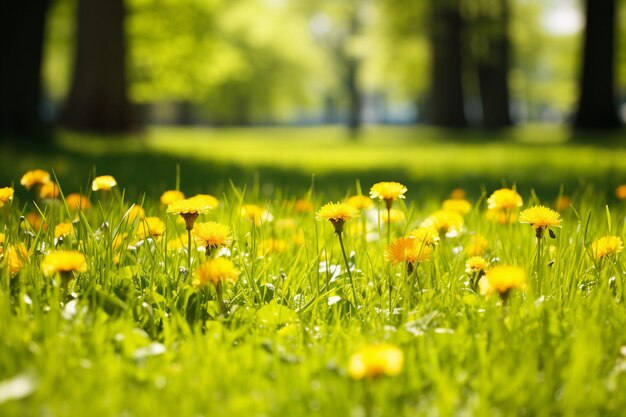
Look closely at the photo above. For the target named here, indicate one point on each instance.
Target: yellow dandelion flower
(501, 279)
(103, 182)
(562, 203)
(211, 235)
(360, 202)
(207, 199)
(77, 201)
(303, 206)
(458, 194)
(408, 250)
(460, 206)
(476, 264)
(606, 247)
(504, 199)
(35, 221)
(177, 243)
(63, 262)
(257, 215)
(35, 177)
(49, 190)
(62, 230)
(2, 238)
(477, 245)
(136, 212)
(151, 227)
(16, 255)
(337, 214)
(215, 270)
(388, 191)
(267, 246)
(444, 222)
(502, 216)
(118, 240)
(189, 209)
(168, 197)
(425, 235)
(620, 192)
(6, 195)
(375, 361)
(540, 218)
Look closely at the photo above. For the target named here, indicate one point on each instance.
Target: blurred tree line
(110, 66)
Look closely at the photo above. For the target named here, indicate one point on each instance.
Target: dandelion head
(49, 190)
(257, 215)
(389, 191)
(360, 202)
(408, 250)
(337, 214)
(77, 201)
(151, 227)
(189, 209)
(460, 206)
(211, 235)
(267, 246)
(62, 230)
(103, 182)
(426, 235)
(303, 206)
(458, 194)
(16, 255)
(476, 265)
(504, 199)
(6, 195)
(620, 192)
(477, 245)
(136, 212)
(444, 222)
(375, 361)
(207, 199)
(64, 262)
(215, 270)
(501, 279)
(35, 177)
(606, 247)
(540, 218)
(168, 197)
(562, 203)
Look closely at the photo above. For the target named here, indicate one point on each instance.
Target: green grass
(138, 338)
(428, 160)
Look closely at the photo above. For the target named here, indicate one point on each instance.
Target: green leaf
(276, 314)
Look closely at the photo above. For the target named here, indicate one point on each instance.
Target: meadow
(443, 291)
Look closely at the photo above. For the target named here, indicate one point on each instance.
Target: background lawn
(431, 162)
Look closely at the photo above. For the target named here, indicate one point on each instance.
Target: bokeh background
(437, 93)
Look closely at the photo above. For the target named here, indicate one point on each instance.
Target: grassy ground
(134, 336)
(429, 161)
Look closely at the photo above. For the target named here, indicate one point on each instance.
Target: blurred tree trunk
(493, 65)
(355, 102)
(98, 98)
(597, 106)
(22, 25)
(446, 106)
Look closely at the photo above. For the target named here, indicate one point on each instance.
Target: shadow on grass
(151, 172)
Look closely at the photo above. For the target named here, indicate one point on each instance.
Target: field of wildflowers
(371, 304)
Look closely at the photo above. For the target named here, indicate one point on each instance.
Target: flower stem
(388, 224)
(189, 251)
(345, 259)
